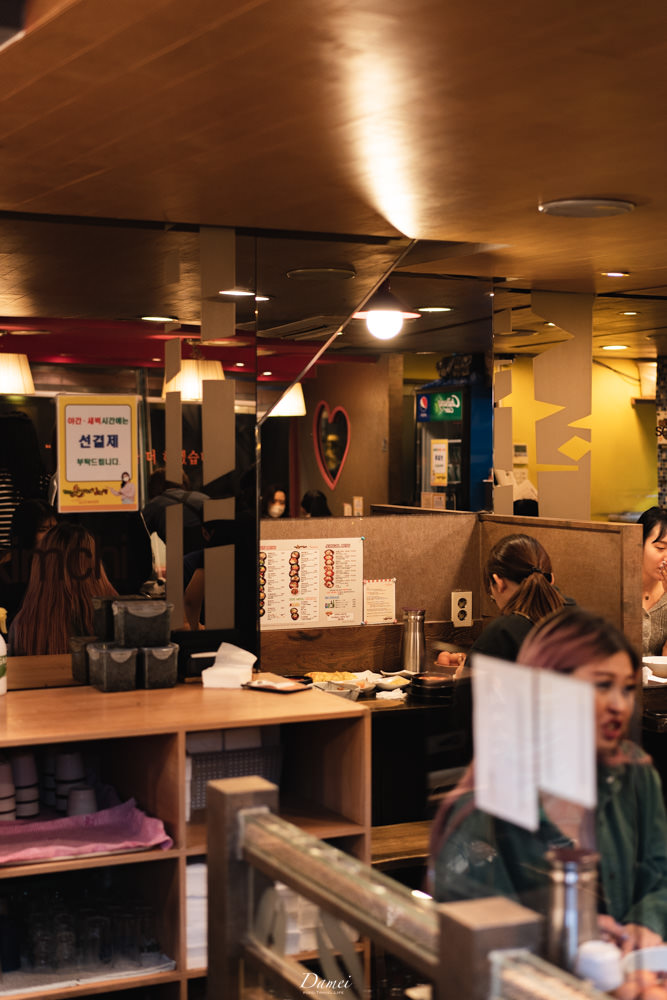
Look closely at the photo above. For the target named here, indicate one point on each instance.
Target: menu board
(311, 583)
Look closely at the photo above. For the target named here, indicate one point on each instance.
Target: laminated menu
(311, 583)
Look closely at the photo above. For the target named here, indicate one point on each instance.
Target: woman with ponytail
(519, 578)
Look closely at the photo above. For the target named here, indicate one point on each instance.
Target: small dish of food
(344, 689)
(391, 683)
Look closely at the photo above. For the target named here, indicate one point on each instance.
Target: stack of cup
(7, 797)
(26, 784)
(69, 775)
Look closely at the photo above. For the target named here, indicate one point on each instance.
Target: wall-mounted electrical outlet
(462, 608)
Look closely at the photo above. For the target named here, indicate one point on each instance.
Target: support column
(563, 378)
(661, 427)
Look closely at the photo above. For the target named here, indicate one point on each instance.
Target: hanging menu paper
(504, 734)
(379, 602)
(310, 583)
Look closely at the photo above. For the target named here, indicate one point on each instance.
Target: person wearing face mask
(274, 503)
(654, 581)
(474, 854)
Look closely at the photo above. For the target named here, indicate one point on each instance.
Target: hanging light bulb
(384, 314)
(384, 323)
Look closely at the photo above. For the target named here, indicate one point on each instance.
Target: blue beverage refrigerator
(454, 442)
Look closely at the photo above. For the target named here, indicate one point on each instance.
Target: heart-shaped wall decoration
(331, 434)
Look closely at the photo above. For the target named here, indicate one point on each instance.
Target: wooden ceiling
(436, 121)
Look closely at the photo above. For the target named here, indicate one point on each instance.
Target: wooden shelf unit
(139, 739)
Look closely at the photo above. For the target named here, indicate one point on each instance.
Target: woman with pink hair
(475, 854)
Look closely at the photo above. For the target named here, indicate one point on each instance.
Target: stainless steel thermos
(413, 648)
(572, 915)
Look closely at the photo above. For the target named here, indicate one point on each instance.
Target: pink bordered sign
(331, 435)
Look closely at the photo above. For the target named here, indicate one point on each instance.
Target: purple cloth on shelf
(121, 828)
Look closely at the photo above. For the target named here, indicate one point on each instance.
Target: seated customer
(474, 854)
(30, 522)
(519, 579)
(654, 581)
(64, 577)
(314, 504)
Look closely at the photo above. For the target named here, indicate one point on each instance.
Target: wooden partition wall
(431, 554)
(597, 564)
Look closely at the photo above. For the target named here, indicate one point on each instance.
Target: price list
(311, 583)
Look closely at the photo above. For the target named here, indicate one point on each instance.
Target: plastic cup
(81, 801)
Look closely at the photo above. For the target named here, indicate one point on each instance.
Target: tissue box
(232, 676)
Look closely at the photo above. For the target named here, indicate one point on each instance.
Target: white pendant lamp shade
(292, 404)
(384, 314)
(15, 375)
(189, 380)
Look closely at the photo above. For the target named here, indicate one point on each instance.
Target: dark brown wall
(363, 390)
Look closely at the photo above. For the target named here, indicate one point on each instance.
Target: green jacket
(484, 856)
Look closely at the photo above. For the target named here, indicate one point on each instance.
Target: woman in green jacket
(475, 854)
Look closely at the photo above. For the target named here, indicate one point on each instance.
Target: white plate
(658, 664)
(393, 683)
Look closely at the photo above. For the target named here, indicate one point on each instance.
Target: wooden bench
(399, 844)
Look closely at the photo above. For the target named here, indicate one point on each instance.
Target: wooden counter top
(81, 713)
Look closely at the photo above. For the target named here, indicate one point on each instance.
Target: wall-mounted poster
(310, 583)
(439, 462)
(97, 453)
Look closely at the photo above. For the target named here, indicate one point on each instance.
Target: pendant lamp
(384, 314)
(292, 404)
(15, 375)
(189, 380)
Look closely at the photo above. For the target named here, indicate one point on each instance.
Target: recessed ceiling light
(586, 208)
(239, 364)
(156, 359)
(434, 309)
(267, 373)
(326, 273)
(615, 274)
(159, 319)
(629, 313)
(615, 347)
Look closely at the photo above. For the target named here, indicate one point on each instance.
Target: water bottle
(413, 650)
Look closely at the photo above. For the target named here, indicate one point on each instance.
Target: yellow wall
(624, 465)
